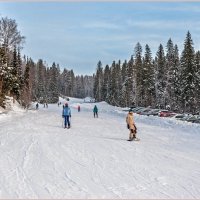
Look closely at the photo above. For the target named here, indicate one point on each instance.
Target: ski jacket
(95, 109)
(66, 111)
(130, 121)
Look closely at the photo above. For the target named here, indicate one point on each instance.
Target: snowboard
(136, 139)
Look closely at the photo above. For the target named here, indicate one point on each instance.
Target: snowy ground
(40, 159)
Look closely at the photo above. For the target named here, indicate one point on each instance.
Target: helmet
(130, 110)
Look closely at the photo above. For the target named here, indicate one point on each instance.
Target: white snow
(40, 159)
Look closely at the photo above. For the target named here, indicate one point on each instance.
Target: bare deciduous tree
(9, 34)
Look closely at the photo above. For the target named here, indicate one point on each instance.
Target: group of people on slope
(37, 105)
(66, 114)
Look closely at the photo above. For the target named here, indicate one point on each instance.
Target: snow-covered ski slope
(40, 159)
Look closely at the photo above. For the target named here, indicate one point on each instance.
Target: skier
(95, 110)
(79, 108)
(37, 106)
(46, 105)
(66, 114)
(131, 126)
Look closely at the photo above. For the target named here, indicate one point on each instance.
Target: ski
(135, 139)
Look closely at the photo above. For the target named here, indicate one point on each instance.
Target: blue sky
(77, 35)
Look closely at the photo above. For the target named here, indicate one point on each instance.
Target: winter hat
(66, 104)
(130, 110)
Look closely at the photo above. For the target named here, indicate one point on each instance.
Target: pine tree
(113, 89)
(118, 95)
(41, 84)
(124, 88)
(19, 69)
(124, 71)
(25, 97)
(148, 79)
(73, 82)
(160, 83)
(139, 75)
(68, 82)
(106, 83)
(3, 74)
(53, 94)
(130, 83)
(14, 82)
(197, 84)
(98, 80)
(169, 74)
(175, 83)
(188, 76)
(32, 79)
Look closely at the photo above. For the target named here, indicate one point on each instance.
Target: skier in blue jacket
(95, 111)
(66, 114)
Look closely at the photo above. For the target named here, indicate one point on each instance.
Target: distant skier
(95, 111)
(79, 108)
(66, 114)
(58, 104)
(37, 106)
(46, 105)
(131, 126)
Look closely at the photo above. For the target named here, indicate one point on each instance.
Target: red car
(166, 113)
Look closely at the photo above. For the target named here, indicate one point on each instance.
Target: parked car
(186, 117)
(166, 113)
(135, 110)
(179, 116)
(197, 121)
(193, 118)
(145, 111)
(153, 112)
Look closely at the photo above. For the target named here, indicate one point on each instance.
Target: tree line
(27, 80)
(169, 80)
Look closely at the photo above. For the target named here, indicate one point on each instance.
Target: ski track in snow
(40, 159)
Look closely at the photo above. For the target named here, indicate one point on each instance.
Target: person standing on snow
(95, 111)
(79, 108)
(131, 125)
(37, 106)
(66, 114)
